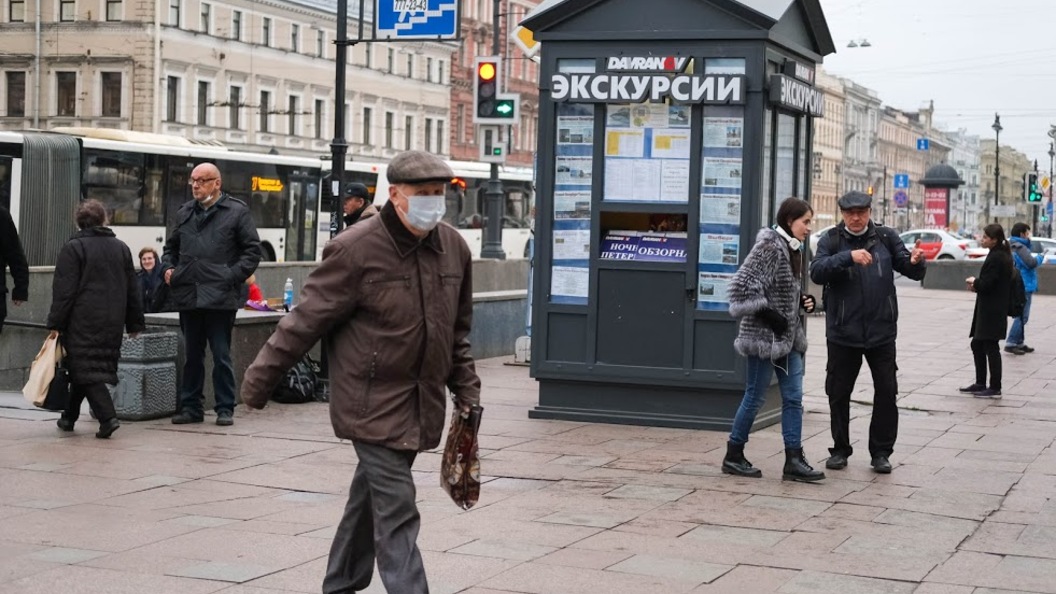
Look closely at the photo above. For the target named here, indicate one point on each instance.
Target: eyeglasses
(201, 182)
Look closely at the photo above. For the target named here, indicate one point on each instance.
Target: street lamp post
(997, 160)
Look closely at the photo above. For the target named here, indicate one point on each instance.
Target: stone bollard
(146, 374)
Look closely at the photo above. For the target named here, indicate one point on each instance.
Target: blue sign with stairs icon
(417, 19)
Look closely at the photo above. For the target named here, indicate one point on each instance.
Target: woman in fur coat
(765, 295)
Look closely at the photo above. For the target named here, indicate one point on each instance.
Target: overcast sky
(972, 57)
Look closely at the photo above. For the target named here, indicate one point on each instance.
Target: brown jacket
(396, 315)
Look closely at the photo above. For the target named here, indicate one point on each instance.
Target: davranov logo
(648, 64)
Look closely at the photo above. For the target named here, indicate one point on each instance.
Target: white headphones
(793, 243)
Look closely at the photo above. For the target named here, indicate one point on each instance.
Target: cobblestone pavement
(569, 508)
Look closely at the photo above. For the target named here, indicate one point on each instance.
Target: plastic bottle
(287, 294)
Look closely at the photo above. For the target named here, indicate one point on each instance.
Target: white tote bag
(42, 371)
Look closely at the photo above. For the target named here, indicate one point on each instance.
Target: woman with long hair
(992, 290)
(151, 284)
(95, 297)
(766, 296)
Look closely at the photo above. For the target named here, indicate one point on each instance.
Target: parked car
(817, 235)
(937, 244)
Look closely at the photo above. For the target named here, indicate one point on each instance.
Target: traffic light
(489, 105)
(1033, 188)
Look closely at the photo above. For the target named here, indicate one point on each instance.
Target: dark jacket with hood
(95, 298)
(1026, 262)
(212, 251)
(861, 309)
(11, 254)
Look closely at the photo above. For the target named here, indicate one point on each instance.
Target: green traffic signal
(1033, 188)
(504, 108)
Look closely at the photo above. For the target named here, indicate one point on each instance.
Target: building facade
(965, 202)
(828, 151)
(1014, 165)
(899, 153)
(521, 75)
(249, 74)
(861, 169)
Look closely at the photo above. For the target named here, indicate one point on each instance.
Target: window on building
(113, 10)
(389, 118)
(111, 82)
(390, 61)
(440, 71)
(16, 94)
(320, 43)
(205, 17)
(234, 121)
(174, 12)
(236, 25)
(16, 11)
(408, 133)
(368, 55)
(295, 37)
(172, 90)
(439, 136)
(291, 117)
(368, 116)
(265, 34)
(66, 96)
(428, 133)
(429, 70)
(410, 65)
(203, 103)
(67, 10)
(265, 111)
(318, 118)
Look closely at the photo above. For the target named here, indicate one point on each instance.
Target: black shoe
(1015, 350)
(187, 417)
(988, 393)
(107, 428)
(798, 469)
(836, 462)
(972, 389)
(1026, 349)
(224, 418)
(65, 424)
(881, 465)
(736, 464)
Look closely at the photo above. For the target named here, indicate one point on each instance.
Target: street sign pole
(492, 247)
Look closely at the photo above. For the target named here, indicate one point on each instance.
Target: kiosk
(669, 131)
(938, 181)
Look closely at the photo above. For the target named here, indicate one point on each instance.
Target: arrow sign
(504, 108)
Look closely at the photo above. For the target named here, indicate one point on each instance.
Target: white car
(937, 244)
(816, 236)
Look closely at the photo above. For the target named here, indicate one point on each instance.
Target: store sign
(796, 95)
(636, 88)
(799, 70)
(648, 64)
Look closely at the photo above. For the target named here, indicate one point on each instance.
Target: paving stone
(725, 535)
(746, 579)
(999, 572)
(65, 555)
(646, 492)
(512, 550)
(813, 582)
(572, 557)
(683, 570)
(223, 572)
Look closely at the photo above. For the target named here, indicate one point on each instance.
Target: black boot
(736, 463)
(797, 468)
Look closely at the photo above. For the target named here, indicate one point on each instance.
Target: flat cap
(855, 199)
(357, 190)
(412, 167)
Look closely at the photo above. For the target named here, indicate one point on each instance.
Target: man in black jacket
(11, 254)
(856, 264)
(210, 253)
(357, 206)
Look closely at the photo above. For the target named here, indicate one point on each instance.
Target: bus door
(304, 200)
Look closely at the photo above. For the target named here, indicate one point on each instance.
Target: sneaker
(987, 393)
(972, 389)
(1015, 350)
(186, 417)
(881, 465)
(1026, 349)
(836, 462)
(224, 418)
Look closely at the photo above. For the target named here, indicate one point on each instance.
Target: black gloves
(776, 321)
(808, 303)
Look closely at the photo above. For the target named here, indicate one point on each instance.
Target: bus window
(262, 187)
(367, 179)
(116, 179)
(518, 204)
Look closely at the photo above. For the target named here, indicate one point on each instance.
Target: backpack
(1017, 295)
(298, 384)
(833, 235)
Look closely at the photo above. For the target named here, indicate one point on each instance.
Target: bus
(143, 180)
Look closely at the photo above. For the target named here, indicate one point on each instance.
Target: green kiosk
(669, 131)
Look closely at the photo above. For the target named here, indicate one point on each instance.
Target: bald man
(210, 253)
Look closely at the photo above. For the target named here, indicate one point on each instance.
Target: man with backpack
(855, 263)
(1026, 263)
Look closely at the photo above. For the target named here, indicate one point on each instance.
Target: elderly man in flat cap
(393, 299)
(855, 263)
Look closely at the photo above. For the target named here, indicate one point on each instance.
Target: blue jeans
(201, 326)
(1015, 334)
(757, 380)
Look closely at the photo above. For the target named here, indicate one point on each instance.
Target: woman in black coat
(990, 323)
(151, 285)
(95, 297)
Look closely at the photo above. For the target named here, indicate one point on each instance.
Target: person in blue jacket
(1026, 263)
(855, 263)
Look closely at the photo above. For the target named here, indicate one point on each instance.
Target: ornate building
(828, 151)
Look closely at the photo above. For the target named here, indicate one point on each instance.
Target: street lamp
(997, 160)
(859, 43)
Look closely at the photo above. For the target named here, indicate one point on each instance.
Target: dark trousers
(983, 351)
(99, 401)
(380, 521)
(841, 373)
(199, 327)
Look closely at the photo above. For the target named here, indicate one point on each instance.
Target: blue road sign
(922, 144)
(901, 199)
(901, 181)
(416, 19)
(1048, 207)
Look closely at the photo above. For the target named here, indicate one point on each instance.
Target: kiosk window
(647, 152)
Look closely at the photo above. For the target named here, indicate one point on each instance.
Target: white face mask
(425, 212)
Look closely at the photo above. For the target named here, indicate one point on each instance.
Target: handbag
(58, 397)
(42, 371)
(460, 467)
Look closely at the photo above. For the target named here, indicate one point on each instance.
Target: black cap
(357, 190)
(855, 199)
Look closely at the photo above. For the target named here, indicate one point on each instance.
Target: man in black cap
(393, 297)
(855, 263)
(357, 206)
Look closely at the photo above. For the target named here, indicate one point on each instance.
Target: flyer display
(647, 150)
(722, 164)
(574, 176)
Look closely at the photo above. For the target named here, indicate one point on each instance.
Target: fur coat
(765, 280)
